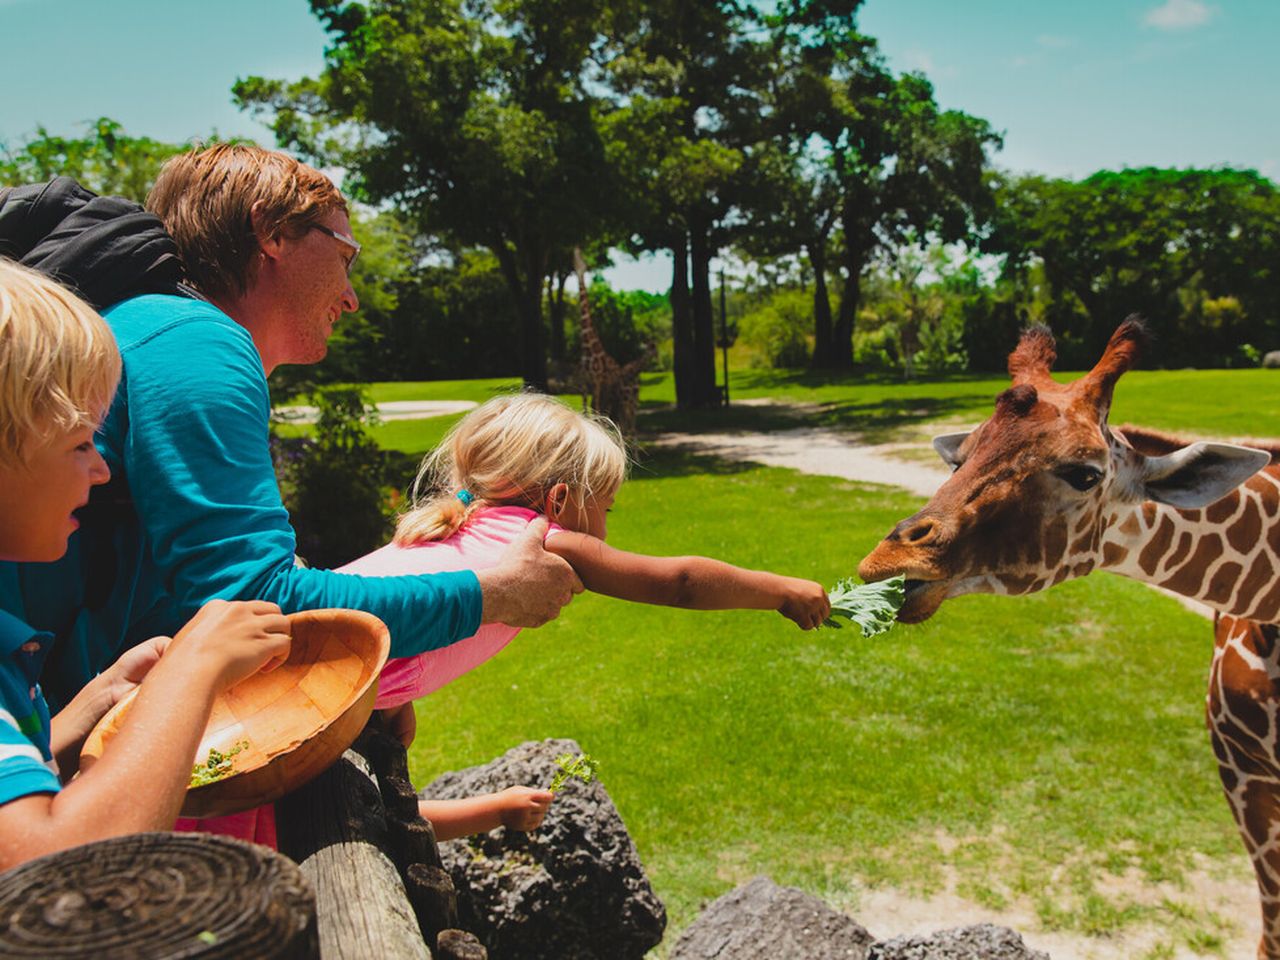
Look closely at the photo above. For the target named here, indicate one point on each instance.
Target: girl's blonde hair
(512, 450)
(59, 365)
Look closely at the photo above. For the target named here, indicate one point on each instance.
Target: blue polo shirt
(26, 765)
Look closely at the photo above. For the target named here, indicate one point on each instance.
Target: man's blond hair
(206, 198)
(59, 365)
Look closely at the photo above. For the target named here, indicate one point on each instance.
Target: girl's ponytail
(436, 519)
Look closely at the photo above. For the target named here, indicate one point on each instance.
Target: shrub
(778, 330)
(333, 483)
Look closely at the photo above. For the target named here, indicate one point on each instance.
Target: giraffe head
(1037, 485)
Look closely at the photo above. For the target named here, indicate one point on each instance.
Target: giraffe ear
(1200, 474)
(948, 447)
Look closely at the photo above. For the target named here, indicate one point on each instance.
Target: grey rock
(763, 921)
(981, 942)
(572, 889)
(1271, 359)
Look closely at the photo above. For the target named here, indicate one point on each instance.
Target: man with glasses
(194, 511)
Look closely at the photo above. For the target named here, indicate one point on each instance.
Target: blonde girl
(511, 460)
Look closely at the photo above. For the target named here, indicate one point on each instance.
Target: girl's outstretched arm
(696, 583)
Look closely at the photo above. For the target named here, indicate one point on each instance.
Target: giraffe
(609, 388)
(1046, 491)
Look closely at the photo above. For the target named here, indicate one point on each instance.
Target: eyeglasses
(345, 241)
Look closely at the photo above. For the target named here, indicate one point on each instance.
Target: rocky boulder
(763, 921)
(573, 889)
(1271, 359)
(982, 942)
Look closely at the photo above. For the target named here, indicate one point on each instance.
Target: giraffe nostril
(922, 531)
(915, 531)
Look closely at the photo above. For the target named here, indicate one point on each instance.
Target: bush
(778, 330)
(333, 483)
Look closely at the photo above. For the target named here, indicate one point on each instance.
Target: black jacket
(106, 249)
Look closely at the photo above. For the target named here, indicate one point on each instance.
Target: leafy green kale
(581, 767)
(872, 606)
(217, 767)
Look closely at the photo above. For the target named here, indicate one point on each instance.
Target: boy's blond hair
(511, 451)
(59, 365)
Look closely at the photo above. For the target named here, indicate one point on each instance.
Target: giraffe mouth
(923, 598)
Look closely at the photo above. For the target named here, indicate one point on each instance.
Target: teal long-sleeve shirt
(187, 435)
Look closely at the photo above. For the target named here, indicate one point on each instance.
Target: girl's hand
(235, 639)
(523, 808)
(804, 602)
(401, 722)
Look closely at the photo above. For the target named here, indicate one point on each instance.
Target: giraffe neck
(1226, 555)
(592, 345)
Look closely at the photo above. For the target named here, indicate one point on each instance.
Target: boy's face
(38, 495)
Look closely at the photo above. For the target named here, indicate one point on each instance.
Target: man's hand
(530, 586)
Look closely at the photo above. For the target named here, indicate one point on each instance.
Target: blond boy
(58, 373)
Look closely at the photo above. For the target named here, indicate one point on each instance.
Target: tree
(687, 79)
(105, 160)
(476, 117)
(899, 164)
(1164, 243)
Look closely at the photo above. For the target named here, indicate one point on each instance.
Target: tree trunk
(822, 333)
(704, 333)
(555, 307)
(854, 262)
(682, 325)
(523, 273)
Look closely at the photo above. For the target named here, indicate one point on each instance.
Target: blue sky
(1075, 86)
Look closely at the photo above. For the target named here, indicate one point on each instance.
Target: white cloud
(1179, 15)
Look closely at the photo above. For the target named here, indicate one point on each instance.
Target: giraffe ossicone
(1046, 490)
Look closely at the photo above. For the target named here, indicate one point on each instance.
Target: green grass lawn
(1223, 403)
(1006, 740)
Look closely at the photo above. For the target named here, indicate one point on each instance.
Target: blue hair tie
(466, 497)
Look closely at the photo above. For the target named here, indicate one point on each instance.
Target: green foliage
(477, 118)
(873, 607)
(1174, 245)
(582, 767)
(333, 481)
(106, 160)
(626, 320)
(778, 328)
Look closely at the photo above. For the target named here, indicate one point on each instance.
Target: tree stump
(157, 895)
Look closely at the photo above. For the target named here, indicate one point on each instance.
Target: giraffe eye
(1079, 476)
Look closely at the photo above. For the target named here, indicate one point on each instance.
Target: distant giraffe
(609, 388)
(1045, 490)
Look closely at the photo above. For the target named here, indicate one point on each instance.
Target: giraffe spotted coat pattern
(610, 389)
(1046, 490)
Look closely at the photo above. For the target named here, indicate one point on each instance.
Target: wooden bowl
(291, 723)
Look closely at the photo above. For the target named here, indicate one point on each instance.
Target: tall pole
(724, 337)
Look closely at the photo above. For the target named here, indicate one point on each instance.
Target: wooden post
(158, 895)
(381, 888)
